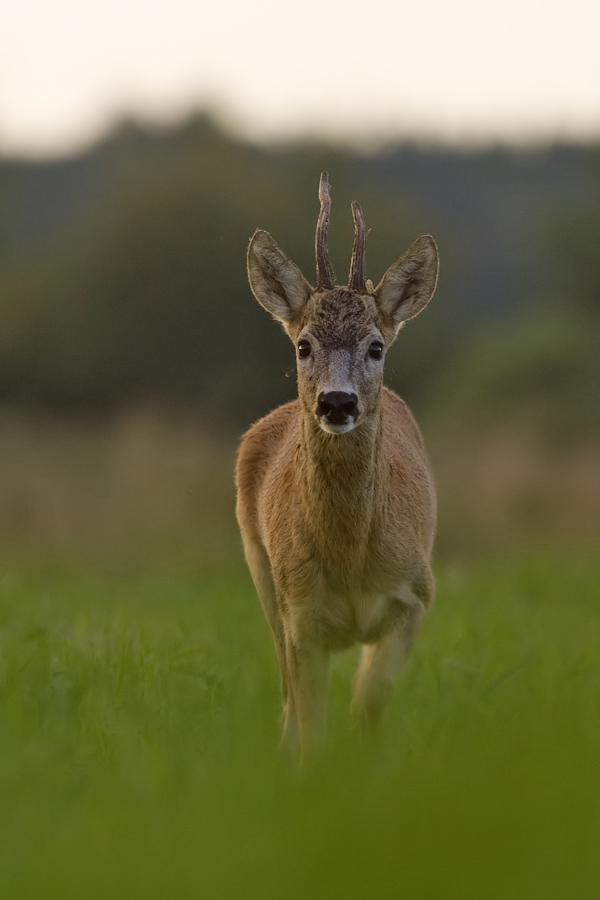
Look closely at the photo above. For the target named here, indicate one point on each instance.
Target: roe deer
(336, 504)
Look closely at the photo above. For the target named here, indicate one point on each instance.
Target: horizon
(233, 131)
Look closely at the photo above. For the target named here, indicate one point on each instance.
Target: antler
(356, 281)
(325, 273)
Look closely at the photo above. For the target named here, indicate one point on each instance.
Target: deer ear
(408, 285)
(276, 282)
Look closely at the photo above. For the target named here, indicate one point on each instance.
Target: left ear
(408, 285)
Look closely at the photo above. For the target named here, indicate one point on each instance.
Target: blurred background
(140, 146)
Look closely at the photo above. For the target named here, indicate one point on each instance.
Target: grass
(138, 744)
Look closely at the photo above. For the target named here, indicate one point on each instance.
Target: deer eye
(303, 349)
(376, 350)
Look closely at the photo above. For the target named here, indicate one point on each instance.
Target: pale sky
(456, 70)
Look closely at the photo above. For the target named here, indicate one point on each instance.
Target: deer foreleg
(306, 711)
(260, 569)
(380, 664)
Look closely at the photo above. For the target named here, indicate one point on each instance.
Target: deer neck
(343, 477)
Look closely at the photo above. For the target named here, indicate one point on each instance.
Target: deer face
(341, 334)
(340, 347)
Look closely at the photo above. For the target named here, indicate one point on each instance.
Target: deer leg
(307, 667)
(380, 664)
(260, 569)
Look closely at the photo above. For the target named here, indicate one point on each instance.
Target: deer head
(341, 333)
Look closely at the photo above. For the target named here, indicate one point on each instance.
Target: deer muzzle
(337, 411)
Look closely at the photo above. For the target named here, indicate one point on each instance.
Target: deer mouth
(341, 428)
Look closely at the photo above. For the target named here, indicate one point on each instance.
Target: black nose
(337, 406)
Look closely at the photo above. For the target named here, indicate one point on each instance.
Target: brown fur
(338, 528)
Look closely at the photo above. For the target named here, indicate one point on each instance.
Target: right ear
(276, 282)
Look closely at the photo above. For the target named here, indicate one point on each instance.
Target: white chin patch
(330, 428)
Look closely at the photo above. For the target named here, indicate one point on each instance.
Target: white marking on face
(336, 429)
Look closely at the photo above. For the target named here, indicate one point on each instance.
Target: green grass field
(139, 757)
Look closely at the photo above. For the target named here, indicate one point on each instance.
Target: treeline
(122, 271)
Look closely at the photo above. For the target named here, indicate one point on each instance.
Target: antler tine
(357, 266)
(325, 273)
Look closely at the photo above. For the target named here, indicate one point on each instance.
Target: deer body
(336, 505)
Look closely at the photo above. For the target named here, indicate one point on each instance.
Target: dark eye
(303, 349)
(376, 350)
